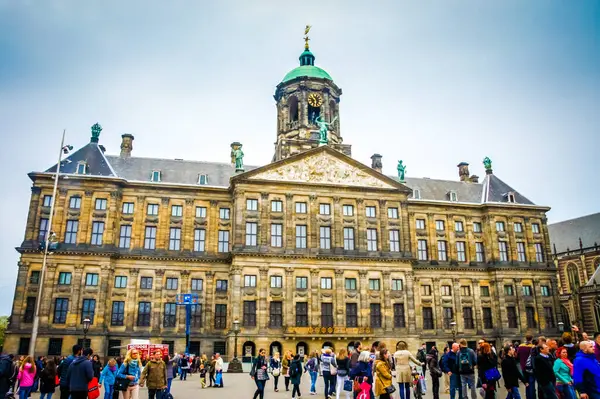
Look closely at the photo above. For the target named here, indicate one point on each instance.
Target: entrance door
(195, 348)
(302, 349)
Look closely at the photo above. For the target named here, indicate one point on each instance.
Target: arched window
(293, 105)
(332, 110)
(565, 317)
(573, 276)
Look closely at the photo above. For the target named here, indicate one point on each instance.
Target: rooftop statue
(487, 163)
(237, 156)
(323, 128)
(401, 170)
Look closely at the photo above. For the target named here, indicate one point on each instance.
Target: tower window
(293, 105)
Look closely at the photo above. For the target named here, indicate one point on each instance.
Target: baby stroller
(417, 382)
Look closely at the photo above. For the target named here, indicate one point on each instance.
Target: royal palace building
(312, 249)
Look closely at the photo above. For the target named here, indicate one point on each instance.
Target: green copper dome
(307, 68)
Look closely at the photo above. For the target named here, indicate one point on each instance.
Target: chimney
(126, 145)
(474, 179)
(376, 162)
(463, 171)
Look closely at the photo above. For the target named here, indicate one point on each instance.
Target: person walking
(96, 366)
(312, 366)
(523, 352)
(434, 371)
(383, 373)
(63, 369)
(259, 373)
(586, 372)
(155, 376)
(275, 364)
(219, 370)
(402, 359)
(171, 365)
(442, 367)
(285, 368)
(466, 367)
(363, 371)
(7, 372)
(450, 368)
(328, 360)
(211, 370)
(26, 377)
(544, 374)
(131, 369)
(184, 366)
(511, 373)
(108, 375)
(563, 370)
(487, 361)
(80, 374)
(296, 376)
(48, 380)
(343, 370)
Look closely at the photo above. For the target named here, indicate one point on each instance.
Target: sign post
(187, 300)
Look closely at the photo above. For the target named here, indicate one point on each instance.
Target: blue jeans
(24, 392)
(313, 380)
(48, 395)
(548, 390)
(260, 388)
(404, 389)
(530, 390)
(183, 375)
(468, 381)
(329, 383)
(108, 391)
(514, 393)
(455, 386)
(566, 390)
(169, 381)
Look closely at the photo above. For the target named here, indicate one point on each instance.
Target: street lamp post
(561, 326)
(235, 366)
(453, 324)
(86, 328)
(36, 316)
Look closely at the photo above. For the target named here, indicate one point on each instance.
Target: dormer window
(81, 168)
(416, 193)
(155, 175)
(453, 197)
(202, 179)
(510, 197)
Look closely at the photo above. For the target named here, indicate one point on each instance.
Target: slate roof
(97, 164)
(438, 190)
(566, 234)
(495, 190)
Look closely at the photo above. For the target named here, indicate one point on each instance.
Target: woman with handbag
(329, 372)
(384, 387)
(487, 368)
(285, 368)
(275, 364)
(404, 377)
(434, 371)
(343, 362)
(128, 377)
(259, 373)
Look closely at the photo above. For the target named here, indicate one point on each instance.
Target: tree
(3, 326)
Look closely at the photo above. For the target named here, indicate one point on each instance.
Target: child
(202, 375)
(108, 376)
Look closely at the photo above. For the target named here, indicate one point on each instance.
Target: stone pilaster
(458, 312)
(212, 230)
(133, 299)
(364, 300)
(111, 230)
(387, 310)
(263, 293)
(312, 230)
(164, 217)
(361, 233)
(437, 307)
(383, 239)
(337, 237)
(263, 224)
(209, 304)
(32, 218)
(187, 228)
(410, 299)
(103, 307)
(289, 240)
(477, 312)
(158, 306)
(522, 315)
(289, 310)
(339, 303)
(76, 303)
(539, 306)
(315, 309)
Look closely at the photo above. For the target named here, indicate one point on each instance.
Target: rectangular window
(549, 316)
(61, 308)
(196, 311)
(251, 233)
(144, 314)
(499, 226)
(152, 210)
(275, 314)
(276, 206)
(351, 315)
(75, 203)
(527, 290)
(155, 176)
(29, 310)
(427, 318)
(301, 236)
(485, 290)
(394, 240)
(375, 309)
(476, 227)
(249, 315)
(197, 284)
(393, 213)
(55, 346)
(114, 347)
(397, 284)
(277, 235)
(221, 286)
(442, 251)
(251, 204)
(43, 229)
(249, 280)
(503, 250)
(64, 278)
(479, 252)
(146, 283)
(91, 279)
(370, 211)
(88, 310)
(326, 283)
(350, 284)
(461, 254)
(535, 228)
(518, 227)
(420, 224)
(468, 318)
(301, 314)
(172, 283)
(440, 225)
(47, 202)
(200, 211)
(426, 290)
(348, 210)
(458, 226)
(374, 284)
(324, 209)
(276, 281)
(302, 283)
(120, 281)
(422, 249)
(34, 277)
(300, 207)
(399, 319)
(150, 238)
(170, 319)
(127, 208)
(223, 241)
(71, 232)
(530, 313)
(220, 316)
(545, 290)
(224, 213)
(177, 210)
(465, 290)
(202, 179)
(125, 236)
(325, 237)
(326, 314)
(371, 239)
(511, 312)
(117, 317)
(24, 345)
(199, 240)
(174, 239)
(539, 253)
(348, 238)
(509, 290)
(446, 290)
(97, 233)
(101, 204)
(448, 317)
(521, 252)
(488, 322)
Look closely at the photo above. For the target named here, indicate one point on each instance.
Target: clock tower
(306, 95)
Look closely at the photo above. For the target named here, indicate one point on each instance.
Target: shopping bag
(219, 378)
(348, 385)
(93, 390)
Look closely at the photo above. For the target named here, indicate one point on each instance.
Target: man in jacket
(7, 371)
(544, 373)
(523, 353)
(219, 368)
(79, 375)
(586, 372)
(467, 360)
(155, 373)
(450, 367)
(511, 373)
(63, 369)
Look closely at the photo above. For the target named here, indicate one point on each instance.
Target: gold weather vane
(306, 39)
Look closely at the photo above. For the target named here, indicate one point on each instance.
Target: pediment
(324, 167)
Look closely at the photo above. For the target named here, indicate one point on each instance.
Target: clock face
(315, 100)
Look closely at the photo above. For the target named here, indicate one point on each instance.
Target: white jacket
(219, 364)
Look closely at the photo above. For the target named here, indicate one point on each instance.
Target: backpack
(293, 370)
(421, 356)
(529, 364)
(6, 368)
(464, 362)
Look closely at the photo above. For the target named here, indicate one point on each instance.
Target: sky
(432, 83)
